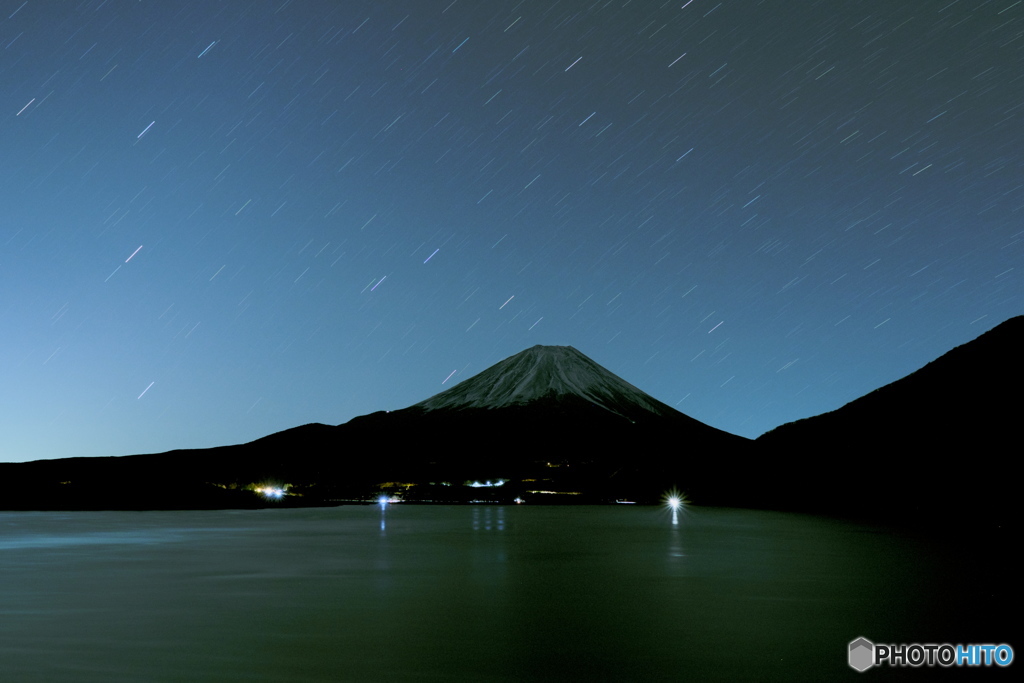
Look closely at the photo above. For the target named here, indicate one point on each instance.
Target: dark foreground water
(471, 593)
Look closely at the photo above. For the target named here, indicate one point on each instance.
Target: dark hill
(937, 442)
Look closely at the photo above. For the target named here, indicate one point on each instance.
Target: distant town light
(477, 484)
(270, 492)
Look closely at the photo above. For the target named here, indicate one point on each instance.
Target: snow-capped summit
(547, 372)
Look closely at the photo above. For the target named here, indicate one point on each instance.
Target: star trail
(223, 219)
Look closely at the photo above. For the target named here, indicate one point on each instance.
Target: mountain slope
(931, 441)
(544, 371)
(962, 395)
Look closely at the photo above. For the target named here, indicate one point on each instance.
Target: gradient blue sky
(223, 219)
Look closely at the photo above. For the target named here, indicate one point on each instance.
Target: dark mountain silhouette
(547, 419)
(936, 443)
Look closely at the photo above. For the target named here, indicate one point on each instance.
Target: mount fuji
(550, 407)
(549, 418)
(548, 371)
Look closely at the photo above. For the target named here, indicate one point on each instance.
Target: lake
(474, 593)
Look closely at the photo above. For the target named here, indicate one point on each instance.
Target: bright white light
(675, 501)
(271, 492)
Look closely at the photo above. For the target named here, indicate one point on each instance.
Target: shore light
(675, 501)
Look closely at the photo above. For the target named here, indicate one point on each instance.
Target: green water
(418, 593)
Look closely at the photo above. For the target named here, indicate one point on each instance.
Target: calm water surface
(417, 593)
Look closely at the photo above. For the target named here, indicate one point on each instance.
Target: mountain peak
(543, 372)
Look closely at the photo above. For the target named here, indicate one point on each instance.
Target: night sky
(223, 219)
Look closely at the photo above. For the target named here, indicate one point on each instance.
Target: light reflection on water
(488, 518)
(456, 593)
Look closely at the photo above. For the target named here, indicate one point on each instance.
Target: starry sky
(223, 219)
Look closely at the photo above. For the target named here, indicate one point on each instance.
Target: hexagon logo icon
(862, 654)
